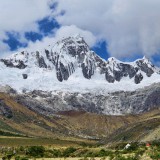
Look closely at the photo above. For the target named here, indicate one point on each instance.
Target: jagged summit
(71, 61)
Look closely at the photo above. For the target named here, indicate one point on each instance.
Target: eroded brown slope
(24, 121)
(146, 128)
(78, 124)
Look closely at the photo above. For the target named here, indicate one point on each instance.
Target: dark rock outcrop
(19, 64)
(138, 78)
(5, 110)
(109, 78)
(145, 68)
(40, 60)
(25, 76)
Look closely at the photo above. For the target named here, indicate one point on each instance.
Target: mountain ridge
(71, 62)
(67, 90)
(69, 76)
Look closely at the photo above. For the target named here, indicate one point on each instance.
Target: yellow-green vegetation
(19, 141)
(47, 142)
(136, 151)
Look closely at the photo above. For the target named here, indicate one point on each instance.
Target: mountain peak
(78, 37)
(115, 60)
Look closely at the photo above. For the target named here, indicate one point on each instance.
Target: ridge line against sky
(125, 29)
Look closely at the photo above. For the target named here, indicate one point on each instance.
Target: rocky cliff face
(116, 103)
(116, 70)
(5, 110)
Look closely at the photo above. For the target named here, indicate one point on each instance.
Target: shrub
(140, 152)
(119, 157)
(156, 143)
(21, 148)
(57, 153)
(21, 158)
(17, 158)
(81, 152)
(36, 151)
(155, 156)
(133, 147)
(119, 146)
(90, 154)
(7, 157)
(104, 153)
(24, 158)
(67, 152)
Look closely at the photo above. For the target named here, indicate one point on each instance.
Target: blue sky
(46, 27)
(127, 30)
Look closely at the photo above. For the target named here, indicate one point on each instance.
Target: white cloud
(21, 15)
(3, 47)
(129, 26)
(64, 31)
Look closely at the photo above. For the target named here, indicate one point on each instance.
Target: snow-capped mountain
(69, 76)
(70, 65)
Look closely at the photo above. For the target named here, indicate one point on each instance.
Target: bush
(67, 152)
(133, 147)
(36, 151)
(104, 153)
(155, 156)
(90, 154)
(81, 152)
(140, 152)
(119, 146)
(21, 148)
(21, 158)
(156, 143)
(7, 157)
(119, 157)
(17, 158)
(53, 153)
(24, 158)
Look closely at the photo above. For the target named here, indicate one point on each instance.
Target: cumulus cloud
(3, 47)
(20, 16)
(130, 27)
(63, 32)
(66, 31)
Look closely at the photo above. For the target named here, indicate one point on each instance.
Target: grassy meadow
(23, 148)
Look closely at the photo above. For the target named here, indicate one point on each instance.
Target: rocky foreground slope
(18, 120)
(116, 103)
